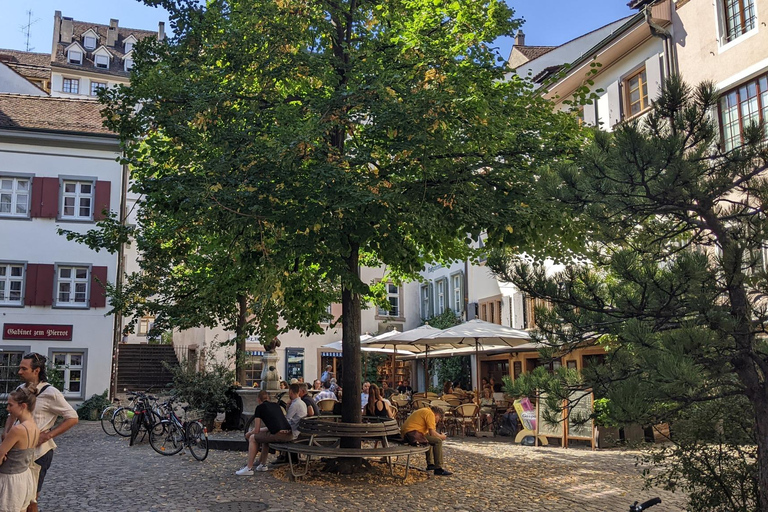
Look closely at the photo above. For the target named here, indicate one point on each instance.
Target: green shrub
(91, 408)
(204, 389)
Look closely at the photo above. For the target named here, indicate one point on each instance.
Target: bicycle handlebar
(643, 506)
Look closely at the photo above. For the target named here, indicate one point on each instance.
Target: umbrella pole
(477, 378)
(394, 361)
(426, 370)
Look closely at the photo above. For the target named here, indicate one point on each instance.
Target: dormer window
(128, 46)
(75, 56)
(101, 61)
(128, 63)
(89, 42)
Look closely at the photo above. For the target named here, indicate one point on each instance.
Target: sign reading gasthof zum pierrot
(37, 332)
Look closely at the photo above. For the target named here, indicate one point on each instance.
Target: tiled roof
(534, 52)
(54, 114)
(27, 64)
(116, 65)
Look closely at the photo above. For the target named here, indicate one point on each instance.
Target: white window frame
(424, 301)
(456, 292)
(72, 53)
(724, 38)
(70, 370)
(78, 197)
(8, 281)
(441, 294)
(10, 358)
(129, 46)
(128, 63)
(95, 86)
(89, 39)
(105, 61)
(72, 82)
(73, 285)
(12, 195)
(144, 325)
(393, 293)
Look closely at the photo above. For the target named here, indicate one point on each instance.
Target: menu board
(526, 413)
(580, 407)
(546, 428)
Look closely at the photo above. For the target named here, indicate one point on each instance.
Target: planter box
(607, 437)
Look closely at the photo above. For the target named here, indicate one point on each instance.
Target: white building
(58, 170)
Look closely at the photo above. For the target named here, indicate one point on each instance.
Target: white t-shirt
(296, 411)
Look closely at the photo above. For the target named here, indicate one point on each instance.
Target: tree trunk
(242, 319)
(761, 413)
(351, 406)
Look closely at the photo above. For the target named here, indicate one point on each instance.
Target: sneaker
(261, 468)
(431, 467)
(245, 471)
(442, 472)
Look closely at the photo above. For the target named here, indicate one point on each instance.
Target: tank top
(380, 413)
(18, 460)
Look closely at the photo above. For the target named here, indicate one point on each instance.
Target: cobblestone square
(93, 472)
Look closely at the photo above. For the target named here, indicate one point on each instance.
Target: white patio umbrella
(475, 333)
(406, 341)
(336, 345)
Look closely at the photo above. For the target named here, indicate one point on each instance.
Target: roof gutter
(670, 57)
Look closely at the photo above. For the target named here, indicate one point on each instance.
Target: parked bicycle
(147, 416)
(123, 416)
(643, 506)
(173, 435)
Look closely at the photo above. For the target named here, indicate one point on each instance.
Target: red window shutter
(98, 292)
(101, 201)
(44, 285)
(45, 198)
(30, 286)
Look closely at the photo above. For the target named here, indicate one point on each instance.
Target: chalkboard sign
(546, 428)
(581, 406)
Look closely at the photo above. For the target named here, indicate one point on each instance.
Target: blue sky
(548, 22)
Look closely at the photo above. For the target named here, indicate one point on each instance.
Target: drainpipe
(117, 335)
(670, 57)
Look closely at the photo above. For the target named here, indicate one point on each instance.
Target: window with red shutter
(43, 283)
(98, 290)
(45, 198)
(101, 202)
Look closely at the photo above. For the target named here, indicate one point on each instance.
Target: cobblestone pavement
(93, 472)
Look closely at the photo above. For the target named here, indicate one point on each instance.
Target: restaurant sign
(45, 332)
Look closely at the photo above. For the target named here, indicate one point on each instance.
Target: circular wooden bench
(318, 430)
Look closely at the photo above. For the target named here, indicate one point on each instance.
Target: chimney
(56, 33)
(161, 31)
(520, 38)
(67, 30)
(112, 33)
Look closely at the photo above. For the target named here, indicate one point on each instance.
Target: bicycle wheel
(122, 421)
(137, 423)
(168, 440)
(197, 440)
(106, 420)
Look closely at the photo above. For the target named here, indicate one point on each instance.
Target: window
(636, 93)
(738, 18)
(72, 286)
(77, 200)
(144, 325)
(393, 297)
(441, 296)
(96, 87)
(128, 46)
(426, 302)
(101, 61)
(254, 364)
(739, 107)
(128, 64)
(9, 370)
(89, 42)
(71, 366)
(11, 283)
(75, 57)
(458, 298)
(14, 197)
(71, 85)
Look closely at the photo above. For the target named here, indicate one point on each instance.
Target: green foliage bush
(203, 388)
(91, 408)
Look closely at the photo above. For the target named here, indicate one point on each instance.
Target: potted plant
(205, 389)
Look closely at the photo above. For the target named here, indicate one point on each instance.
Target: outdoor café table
(323, 429)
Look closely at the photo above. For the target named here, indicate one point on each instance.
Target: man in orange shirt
(420, 427)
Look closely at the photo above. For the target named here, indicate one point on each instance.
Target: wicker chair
(465, 418)
(326, 405)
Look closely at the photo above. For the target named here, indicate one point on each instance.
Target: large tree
(673, 286)
(349, 132)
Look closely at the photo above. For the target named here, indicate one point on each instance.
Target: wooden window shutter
(45, 198)
(43, 285)
(614, 104)
(98, 290)
(101, 200)
(655, 77)
(30, 286)
(590, 114)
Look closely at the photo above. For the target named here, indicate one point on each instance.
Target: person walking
(17, 485)
(50, 405)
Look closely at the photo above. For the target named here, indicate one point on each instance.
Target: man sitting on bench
(269, 426)
(421, 428)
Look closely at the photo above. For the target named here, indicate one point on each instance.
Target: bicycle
(642, 506)
(146, 416)
(107, 425)
(176, 434)
(123, 416)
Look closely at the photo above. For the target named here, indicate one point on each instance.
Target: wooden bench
(322, 429)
